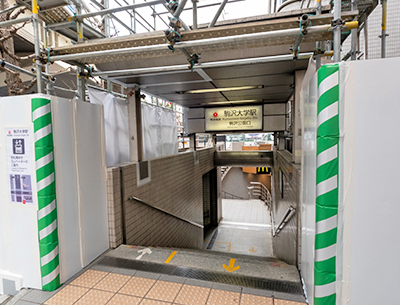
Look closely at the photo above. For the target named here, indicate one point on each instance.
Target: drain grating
(232, 279)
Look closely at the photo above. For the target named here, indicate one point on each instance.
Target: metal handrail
(165, 212)
(260, 190)
(230, 194)
(285, 218)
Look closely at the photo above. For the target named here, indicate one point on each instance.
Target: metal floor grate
(238, 280)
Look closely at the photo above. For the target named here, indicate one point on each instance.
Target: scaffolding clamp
(173, 35)
(337, 23)
(194, 59)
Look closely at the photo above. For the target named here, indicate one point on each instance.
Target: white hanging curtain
(159, 132)
(115, 124)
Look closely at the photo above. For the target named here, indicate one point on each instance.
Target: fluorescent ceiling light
(221, 89)
(232, 102)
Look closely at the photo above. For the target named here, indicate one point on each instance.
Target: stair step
(255, 267)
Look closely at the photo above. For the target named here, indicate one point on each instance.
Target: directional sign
(143, 252)
(252, 250)
(231, 266)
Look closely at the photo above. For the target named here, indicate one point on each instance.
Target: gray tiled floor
(245, 228)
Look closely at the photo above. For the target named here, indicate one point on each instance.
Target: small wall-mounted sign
(19, 165)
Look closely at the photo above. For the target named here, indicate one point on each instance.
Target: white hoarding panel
(371, 197)
(309, 98)
(19, 247)
(92, 179)
(234, 118)
(67, 187)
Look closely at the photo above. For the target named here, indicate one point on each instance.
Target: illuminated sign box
(234, 118)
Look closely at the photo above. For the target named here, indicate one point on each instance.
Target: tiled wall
(286, 244)
(114, 206)
(176, 187)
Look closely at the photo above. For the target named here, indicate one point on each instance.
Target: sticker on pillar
(19, 165)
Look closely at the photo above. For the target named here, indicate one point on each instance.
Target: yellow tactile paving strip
(103, 288)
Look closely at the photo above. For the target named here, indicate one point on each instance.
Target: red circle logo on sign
(215, 114)
(23, 201)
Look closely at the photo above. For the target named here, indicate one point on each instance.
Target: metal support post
(337, 30)
(80, 79)
(366, 38)
(36, 35)
(354, 34)
(49, 85)
(106, 20)
(220, 9)
(194, 14)
(383, 35)
(318, 44)
(107, 32)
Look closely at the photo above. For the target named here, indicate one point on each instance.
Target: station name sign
(234, 118)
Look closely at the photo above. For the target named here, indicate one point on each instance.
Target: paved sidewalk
(132, 287)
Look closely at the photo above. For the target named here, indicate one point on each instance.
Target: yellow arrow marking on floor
(170, 257)
(231, 267)
(252, 250)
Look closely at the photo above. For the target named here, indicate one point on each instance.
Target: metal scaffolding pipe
(337, 32)
(180, 8)
(16, 68)
(60, 25)
(38, 63)
(195, 43)
(194, 14)
(64, 89)
(354, 34)
(7, 23)
(106, 90)
(318, 47)
(117, 9)
(184, 25)
(304, 23)
(220, 9)
(10, 9)
(102, 7)
(216, 64)
(384, 35)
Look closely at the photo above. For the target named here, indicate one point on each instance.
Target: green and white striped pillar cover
(46, 188)
(327, 195)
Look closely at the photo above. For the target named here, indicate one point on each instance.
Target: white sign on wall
(234, 118)
(19, 165)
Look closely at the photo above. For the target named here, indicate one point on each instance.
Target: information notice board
(19, 165)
